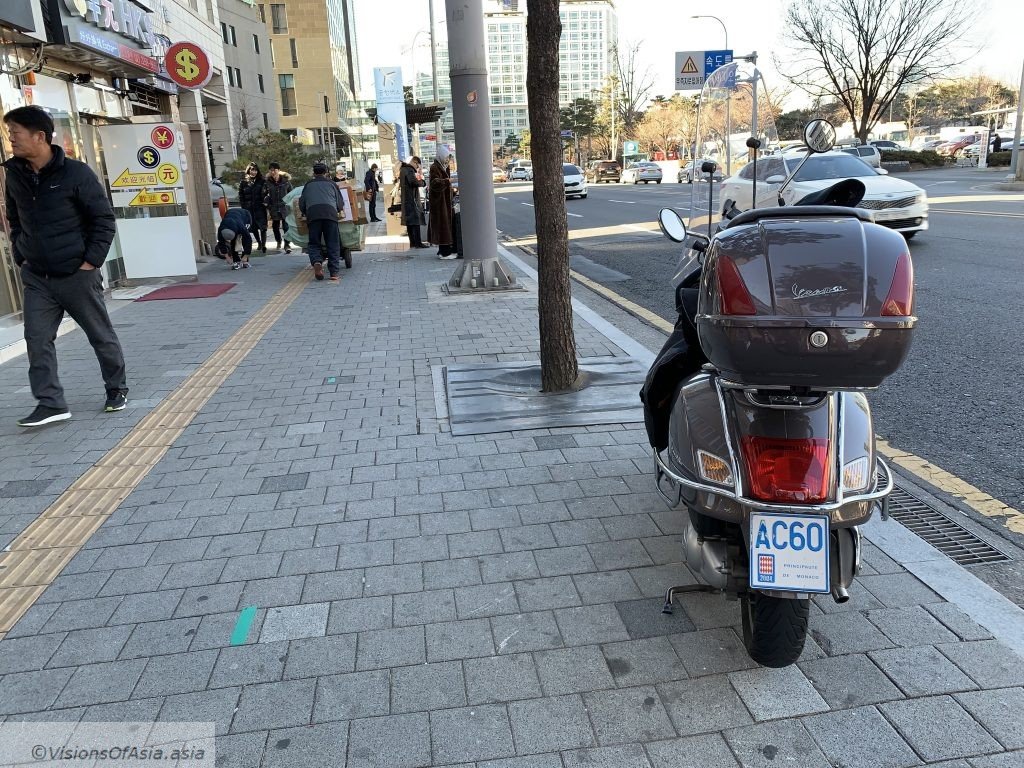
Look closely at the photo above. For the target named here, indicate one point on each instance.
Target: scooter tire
(774, 628)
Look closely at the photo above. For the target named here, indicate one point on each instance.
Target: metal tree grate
(943, 533)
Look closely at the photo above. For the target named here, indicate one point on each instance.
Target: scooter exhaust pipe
(840, 595)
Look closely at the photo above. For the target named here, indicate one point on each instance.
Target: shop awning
(417, 114)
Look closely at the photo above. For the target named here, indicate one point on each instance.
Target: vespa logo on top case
(810, 293)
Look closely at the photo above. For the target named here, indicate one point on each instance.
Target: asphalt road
(958, 399)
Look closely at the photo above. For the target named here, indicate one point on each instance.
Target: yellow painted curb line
(975, 498)
(38, 555)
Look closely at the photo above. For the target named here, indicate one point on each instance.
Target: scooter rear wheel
(774, 628)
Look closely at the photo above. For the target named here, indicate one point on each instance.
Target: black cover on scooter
(680, 358)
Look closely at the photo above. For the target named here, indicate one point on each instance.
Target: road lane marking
(575, 215)
(37, 556)
(589, 232)
(977, 213)
(503, 198)
(1003, 198)
(627, 202)
(641, 228)
(529, 204)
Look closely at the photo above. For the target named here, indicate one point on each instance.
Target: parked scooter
(768, 446)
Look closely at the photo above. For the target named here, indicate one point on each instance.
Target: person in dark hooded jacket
(251, 196)
(411, 180)
(62, 226)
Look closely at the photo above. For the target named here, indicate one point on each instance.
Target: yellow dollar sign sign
(187, 68)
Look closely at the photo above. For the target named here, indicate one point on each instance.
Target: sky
(386, 29)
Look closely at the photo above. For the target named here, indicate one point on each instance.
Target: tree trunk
(559, 370)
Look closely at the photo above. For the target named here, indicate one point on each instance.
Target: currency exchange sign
(188, 65)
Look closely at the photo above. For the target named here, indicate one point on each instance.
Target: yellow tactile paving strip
(39, 554)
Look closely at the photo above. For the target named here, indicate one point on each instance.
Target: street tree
(558, 365)
(580, 117)
(668, 124)
(267, 147)
(952, 101)
(862, 53)
(634, 85)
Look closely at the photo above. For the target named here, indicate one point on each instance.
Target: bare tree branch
(862, 53)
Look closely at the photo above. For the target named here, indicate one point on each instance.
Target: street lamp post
(728, 115)
(438, 139)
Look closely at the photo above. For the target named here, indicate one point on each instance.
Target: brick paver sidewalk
(424, 600)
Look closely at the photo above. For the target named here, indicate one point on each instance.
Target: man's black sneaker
(116, 401)
(44, 414)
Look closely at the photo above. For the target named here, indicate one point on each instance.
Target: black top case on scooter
(816, 297)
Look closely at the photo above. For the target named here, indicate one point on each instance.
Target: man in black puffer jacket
(61, 229)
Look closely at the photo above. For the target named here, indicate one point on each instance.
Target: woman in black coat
(251, 194)
(411, 181)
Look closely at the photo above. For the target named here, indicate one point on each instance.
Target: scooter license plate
(789, 553)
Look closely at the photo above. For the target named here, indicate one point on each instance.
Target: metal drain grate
(943, 533)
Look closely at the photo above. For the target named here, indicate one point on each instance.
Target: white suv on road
(574, 180)
(896, 203)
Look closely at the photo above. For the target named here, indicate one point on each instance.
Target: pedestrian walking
(251, 194)
(321, 203)
(442, 206)
(233, 229)
(61, 226)
(371, 187)
(411, 180)
(278, 184)
(997, 143)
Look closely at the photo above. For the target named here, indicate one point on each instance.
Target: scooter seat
(798, 212)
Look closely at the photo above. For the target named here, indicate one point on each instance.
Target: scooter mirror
(708, 166)
(672, 225)
(819, 135)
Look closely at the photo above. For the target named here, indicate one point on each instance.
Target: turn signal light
(732, 291)
(900, 301)
(787, 470)
(713, 468)
(855, 474)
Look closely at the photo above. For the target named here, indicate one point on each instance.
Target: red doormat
(188, 291)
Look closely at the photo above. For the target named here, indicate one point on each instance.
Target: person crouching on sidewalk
(321, 203)
(234, 227)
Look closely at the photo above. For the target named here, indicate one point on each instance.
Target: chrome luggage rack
(883, 487)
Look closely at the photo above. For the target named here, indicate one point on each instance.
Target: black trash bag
(680, 358)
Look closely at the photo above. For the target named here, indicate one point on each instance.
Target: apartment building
(248, 70)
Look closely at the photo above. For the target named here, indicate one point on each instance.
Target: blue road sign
(694, 67)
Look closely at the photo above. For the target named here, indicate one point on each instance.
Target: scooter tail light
(713, 468)
(855, 474)
(733, 295)
(787, 470)
(900, 300)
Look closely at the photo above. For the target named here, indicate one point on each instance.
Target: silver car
(868, 153)
(645, 172)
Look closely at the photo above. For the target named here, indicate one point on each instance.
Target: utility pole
(1016, 164)
(471, 104)
(438, 138)
(728, 104)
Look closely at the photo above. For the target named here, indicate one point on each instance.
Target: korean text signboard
(694, 67)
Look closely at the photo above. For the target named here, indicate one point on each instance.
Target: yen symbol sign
(148, 157)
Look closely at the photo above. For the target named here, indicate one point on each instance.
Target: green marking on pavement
(332, 380)
(242, 626)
